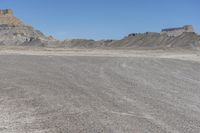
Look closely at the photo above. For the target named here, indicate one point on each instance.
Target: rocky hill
(15, 32)
(150, 40)
(181, 37)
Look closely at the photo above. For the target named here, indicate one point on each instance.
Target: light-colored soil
(44, 51)
(94, 91)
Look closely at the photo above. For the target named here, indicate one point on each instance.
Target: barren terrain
(94, 91)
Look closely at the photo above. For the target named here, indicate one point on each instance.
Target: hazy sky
(104, 19)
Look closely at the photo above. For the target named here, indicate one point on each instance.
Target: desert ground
(99, 91)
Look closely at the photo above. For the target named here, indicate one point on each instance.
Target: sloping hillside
(156, 40)
(149, 40)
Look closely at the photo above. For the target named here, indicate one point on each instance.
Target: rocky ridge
(149, 40)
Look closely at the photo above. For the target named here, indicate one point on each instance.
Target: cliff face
(178, 30)
(15, 32)
(7, 18)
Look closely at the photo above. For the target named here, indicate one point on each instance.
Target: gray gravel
(49, 94)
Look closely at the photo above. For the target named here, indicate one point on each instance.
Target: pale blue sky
(104, 19)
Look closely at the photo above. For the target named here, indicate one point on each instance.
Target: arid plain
(76, 90)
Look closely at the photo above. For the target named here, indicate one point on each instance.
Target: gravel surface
(62, 94)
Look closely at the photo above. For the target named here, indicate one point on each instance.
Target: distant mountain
(14, 32)
(149, 40)
(181, 37)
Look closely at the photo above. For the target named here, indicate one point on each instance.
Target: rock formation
(7, 18)
(177, 31)
(187, 40)
(148, 40)
(15, 32)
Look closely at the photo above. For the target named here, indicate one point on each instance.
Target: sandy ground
(94, 91)
(170, 54)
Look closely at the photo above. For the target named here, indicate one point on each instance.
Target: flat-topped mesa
(6, 12)
(177, 31)
(7, 18)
